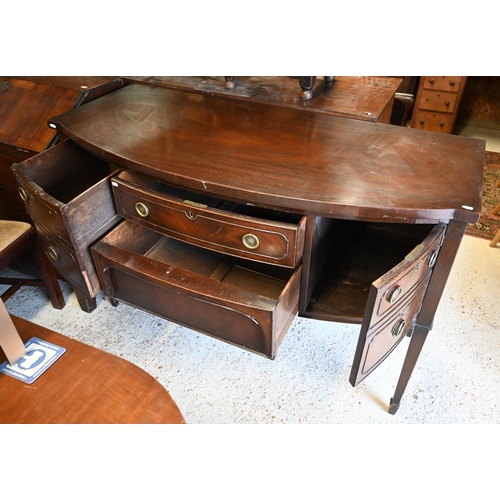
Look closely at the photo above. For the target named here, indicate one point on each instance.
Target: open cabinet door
(393, 305)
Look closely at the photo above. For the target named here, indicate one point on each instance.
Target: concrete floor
(456, 379)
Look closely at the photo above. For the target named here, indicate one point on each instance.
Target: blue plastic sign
(40, 355)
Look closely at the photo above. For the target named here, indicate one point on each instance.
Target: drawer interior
(358, 254)
(204, 200)
(261, 279)
(65, 171)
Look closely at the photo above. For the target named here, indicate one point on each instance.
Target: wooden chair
(495, 211)
(16, 238)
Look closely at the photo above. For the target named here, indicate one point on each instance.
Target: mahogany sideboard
(231, 217)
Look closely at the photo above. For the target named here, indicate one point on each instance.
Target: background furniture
(84, 386)
(366, 98)
(437, 103)
(16, 237)
(239, 215)
(26, 103)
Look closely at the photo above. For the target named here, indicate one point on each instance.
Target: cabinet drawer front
(434, 122)
(65, 260)
(384, 338)
(401, 281)
(42, 209)
(224, 231)
(444, 102)
(225, 300)
(449, 83)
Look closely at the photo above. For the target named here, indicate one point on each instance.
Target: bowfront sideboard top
(288, 159)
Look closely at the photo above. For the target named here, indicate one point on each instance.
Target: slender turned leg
(88, 304)
(417, 342)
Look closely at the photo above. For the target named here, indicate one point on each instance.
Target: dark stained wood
(364, 98)
(370, 193)
(69, 199)
(84, 386)
(237, 301)
(283, 158)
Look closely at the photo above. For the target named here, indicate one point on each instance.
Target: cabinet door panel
(380, 334)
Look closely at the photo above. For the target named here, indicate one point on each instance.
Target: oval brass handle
(432, 259)
(395, 294)
(398, 328)
(53, 253)
(250, 241)
(23, 194)
(142, 209)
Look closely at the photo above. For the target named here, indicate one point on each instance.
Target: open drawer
(230, 228)
(247, 304)
(67, 194)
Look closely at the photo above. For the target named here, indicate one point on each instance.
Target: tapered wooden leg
(417, 342)
(87, 304)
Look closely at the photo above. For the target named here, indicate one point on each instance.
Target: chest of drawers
(437, 102)
(237, 216)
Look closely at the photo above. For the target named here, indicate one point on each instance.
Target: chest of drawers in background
(437, 103)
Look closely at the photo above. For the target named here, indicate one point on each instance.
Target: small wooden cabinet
(437, 102)
(236, 217)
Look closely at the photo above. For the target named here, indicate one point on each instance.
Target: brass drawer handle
(432, 259)
(398, 328)
(23, 194)
(250, 241)
(142, 209)
(53, 253)
(395, 295)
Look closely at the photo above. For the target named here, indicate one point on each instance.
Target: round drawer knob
(142, 209)
(23, 194)
(452, 83)
(398, 328)
(432, 80)
(422, 121)
(447, 103)
(432, 259)
(250, 241)
(53, 253)
(395, 294)
(441, 124)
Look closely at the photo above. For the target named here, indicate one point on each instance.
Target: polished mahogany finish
(384, 209)
(283, 158)
(84, 386)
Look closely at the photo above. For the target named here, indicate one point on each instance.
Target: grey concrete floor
(456, 379)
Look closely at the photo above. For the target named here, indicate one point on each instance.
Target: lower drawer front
(64, 259)
(243, 303)
(386, 335)
(433, 122)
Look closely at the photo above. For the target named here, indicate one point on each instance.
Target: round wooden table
(84, 386)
